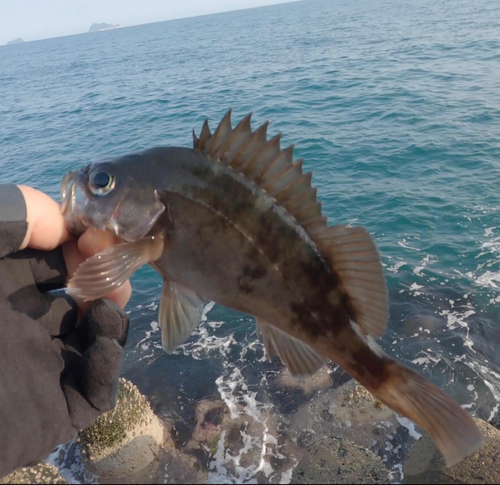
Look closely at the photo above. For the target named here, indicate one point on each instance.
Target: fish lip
(67, 193)
(74, 220)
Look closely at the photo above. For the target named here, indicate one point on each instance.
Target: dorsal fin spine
(220, 135)
(241, 155)
(236, 138)
(292, 174)
(350, 251)
(266, 164)
(300, 198)
(275, 166)
(265, 154)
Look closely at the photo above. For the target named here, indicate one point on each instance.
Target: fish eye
(101, 183)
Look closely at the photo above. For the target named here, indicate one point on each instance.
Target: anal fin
(180, 313)
(300, 359)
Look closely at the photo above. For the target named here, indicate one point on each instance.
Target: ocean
(395, 107)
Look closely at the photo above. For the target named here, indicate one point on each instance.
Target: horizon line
(145, 23)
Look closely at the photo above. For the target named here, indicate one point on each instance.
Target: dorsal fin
(350, 251)
(250, 153)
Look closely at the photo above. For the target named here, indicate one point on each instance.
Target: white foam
(207, 308)
(166, 475)
(405, 245)
(68, 459)
(494, 412)
(455, 319)
(410, 426)
(489, 279)
(286, 476)
(421, 361)
(395, 267)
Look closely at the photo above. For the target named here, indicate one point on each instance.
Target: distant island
(15, 41)
(102, 26)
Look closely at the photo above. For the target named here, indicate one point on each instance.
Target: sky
(40, 19)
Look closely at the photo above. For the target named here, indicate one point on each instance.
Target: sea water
(395, 107)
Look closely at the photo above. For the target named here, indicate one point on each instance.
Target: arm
(58, 371)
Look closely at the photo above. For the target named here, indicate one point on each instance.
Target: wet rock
(233, 443)
(495, 422)
(41, 473)
(337, 460)
(125, 440)
(212, 416)
(425, 463)
(320, 380)
(348, 412)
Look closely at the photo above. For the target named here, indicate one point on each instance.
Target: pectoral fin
(180, 313)
(109, 269)
(300, 359)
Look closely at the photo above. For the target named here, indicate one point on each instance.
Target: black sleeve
(13, 225)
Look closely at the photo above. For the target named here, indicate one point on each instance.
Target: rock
(126, 439)
(102, 26)
(495, 422)
(425, 463)
(232, 444)
(41, 473)
(348, 412)
(320, 380)
(15, 41)
(336, 460)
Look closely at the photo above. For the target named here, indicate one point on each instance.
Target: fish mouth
(73, 198)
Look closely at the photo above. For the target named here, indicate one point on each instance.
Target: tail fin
(455, 433)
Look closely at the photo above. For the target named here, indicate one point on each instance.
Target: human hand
(46, 231)
(58, 371)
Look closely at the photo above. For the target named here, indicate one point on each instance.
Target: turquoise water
(394, 105)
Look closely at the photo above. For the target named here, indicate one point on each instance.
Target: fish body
(234, 220)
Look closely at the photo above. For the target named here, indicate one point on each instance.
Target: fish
(235, 220)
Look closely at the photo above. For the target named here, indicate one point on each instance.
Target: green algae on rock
(125, 439)
(40, 473)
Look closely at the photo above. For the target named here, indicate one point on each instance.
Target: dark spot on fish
(254, 271)
(272, 237)
(365, 365)
(245, 287)
(202, 171)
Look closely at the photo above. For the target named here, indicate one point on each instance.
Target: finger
(98, 373)
(91, 242)
(103, 319)
(62, 316)
(47, 267)
(46, 228)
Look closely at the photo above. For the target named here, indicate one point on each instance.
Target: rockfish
(235, 220)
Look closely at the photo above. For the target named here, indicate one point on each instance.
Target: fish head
(113, 196)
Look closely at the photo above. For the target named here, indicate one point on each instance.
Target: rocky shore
(132, 445)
